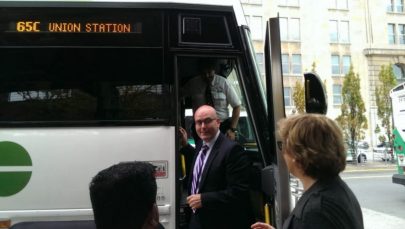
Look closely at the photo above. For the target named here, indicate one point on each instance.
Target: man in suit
(219, 177)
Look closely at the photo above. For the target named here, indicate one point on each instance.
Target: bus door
(275, 176)
(212, 35)
(232, 68)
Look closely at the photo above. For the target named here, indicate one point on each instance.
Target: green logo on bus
(12, 178)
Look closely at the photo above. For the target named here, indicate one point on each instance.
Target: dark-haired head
(124, 195)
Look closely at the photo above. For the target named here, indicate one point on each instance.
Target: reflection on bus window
(73, 84)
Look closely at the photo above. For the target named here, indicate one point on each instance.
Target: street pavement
(370, 166)
(378, 220)
(373, 219)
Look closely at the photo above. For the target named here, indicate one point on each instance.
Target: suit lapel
(214, 152)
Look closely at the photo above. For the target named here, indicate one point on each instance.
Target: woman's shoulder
(333, 203)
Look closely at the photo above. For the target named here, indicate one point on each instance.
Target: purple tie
(198, 169)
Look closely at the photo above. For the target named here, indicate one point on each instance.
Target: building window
(287, 96)
(296, 64)
(399, 6)
(291, 66)
(340, 65)
(333, 31)
(288, 2)
(399, 71)
(285, 63)
(394, 31)
(346, 62)
(283, 29)
(339, 31)
(391, 33)
(344, 32)
(337, 94)
(335, 65)
(396, 6)
(260, 62)
(256, 26)
(253, 2)
(401, 34)
(294, 29)
(390, 5)
(338, 4)
(290, 29)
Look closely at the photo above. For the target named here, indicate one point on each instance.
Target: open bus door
(275, 176)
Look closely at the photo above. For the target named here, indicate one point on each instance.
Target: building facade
(329, 36)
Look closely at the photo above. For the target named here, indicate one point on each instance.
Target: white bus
(397, 95)
(88, 84)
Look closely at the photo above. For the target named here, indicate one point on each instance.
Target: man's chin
(205, 138)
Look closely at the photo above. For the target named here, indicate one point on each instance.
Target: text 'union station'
(77, 27)
(89, 27)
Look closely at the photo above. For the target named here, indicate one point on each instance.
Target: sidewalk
(378, 220)
(371, 165)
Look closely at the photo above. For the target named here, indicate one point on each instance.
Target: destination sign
(81, 26)
(76, 27)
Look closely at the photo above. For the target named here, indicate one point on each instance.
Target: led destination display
(71, 26)
(77, 27)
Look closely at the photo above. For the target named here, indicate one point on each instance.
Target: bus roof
(235, 4)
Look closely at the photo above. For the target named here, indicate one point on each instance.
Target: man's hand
(194, 201)
(231, 134)
(260, 225)
(183, 137)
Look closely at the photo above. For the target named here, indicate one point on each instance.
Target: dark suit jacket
(327, 204)
(224, 187)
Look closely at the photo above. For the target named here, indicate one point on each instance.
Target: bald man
(219, 179)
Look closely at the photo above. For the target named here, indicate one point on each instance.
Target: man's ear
(218, 121)
(152, 220)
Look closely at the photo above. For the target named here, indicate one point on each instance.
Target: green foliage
(377, 129)
(387, 81)
(382, 138)
(313, 67)
(352, 119)
(299, 97)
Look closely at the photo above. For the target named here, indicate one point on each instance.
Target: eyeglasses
(205, 121)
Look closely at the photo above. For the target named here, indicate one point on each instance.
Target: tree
(352, 119)
(299, 93)
(313, 67)
(382, 98)
(299, 97)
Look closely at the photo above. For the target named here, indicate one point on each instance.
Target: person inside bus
(216, 91)
(314, 151)
(124, 196)
(219, 176)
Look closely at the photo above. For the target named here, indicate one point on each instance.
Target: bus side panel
(65, 159)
